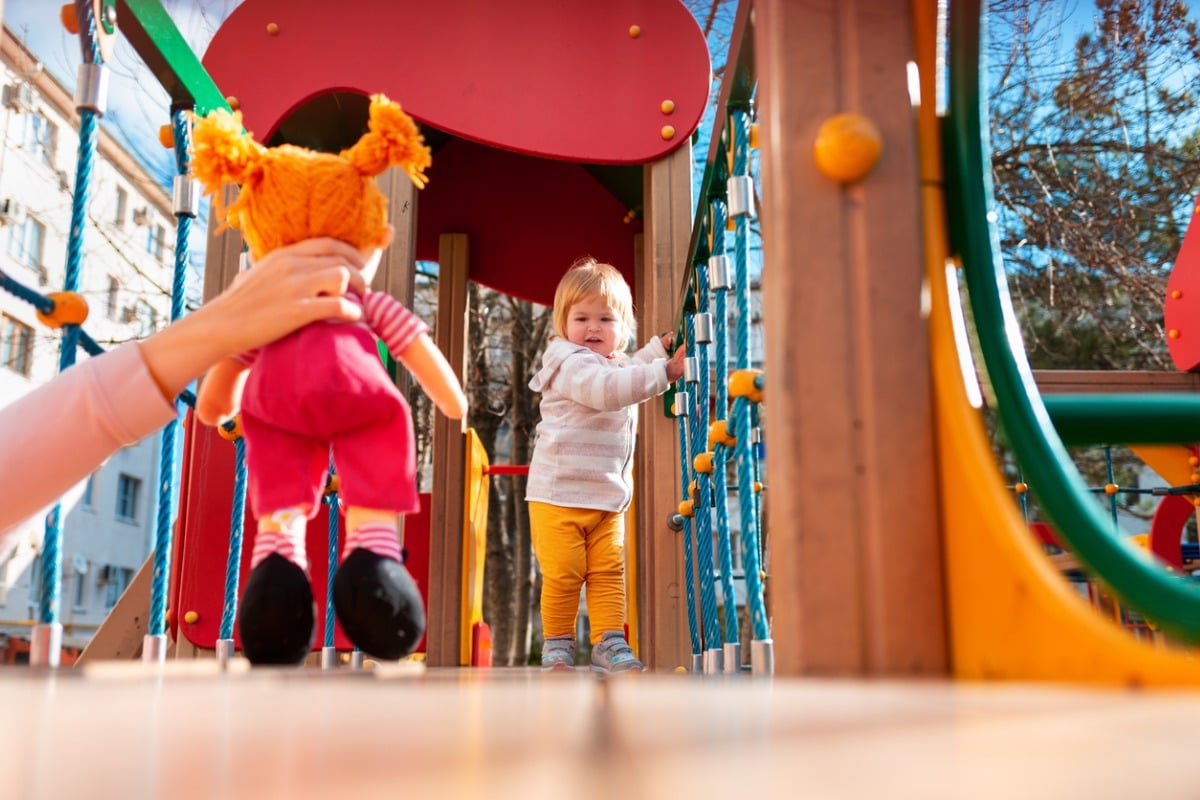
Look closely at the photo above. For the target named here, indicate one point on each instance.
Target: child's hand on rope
(675, 363)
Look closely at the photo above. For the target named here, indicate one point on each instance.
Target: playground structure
(876, 571)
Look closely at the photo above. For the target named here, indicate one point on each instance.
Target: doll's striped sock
(377, 537)
(288, 541)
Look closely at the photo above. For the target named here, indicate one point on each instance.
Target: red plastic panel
(202, 543)
(1181, 309)
(557, 79)
(1166, 529)
(526, 218)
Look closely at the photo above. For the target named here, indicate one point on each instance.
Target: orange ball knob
(191, 617)
(668, 106)
(718, 433)
(1174, 333)
(635, 31)
(166, 136)
(668, 132)
(69, 20)
(744, 383)
(69, 309)
(272, 29)
(685, 508)
(231, 431)
(1021, 488)
(703, 463)
(847, 147)
(1111, 488)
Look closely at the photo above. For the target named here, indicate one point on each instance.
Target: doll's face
(372, 255)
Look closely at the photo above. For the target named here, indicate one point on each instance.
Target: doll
(322, 392)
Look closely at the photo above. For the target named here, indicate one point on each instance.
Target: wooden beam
(449, 464)
(1078, 381)
(121, 635)
(855, 569)
(661, 622)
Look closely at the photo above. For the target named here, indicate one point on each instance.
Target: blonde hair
(587, 279)
(292, 193)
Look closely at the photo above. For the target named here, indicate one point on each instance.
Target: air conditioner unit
(106, 573)
(18, 96)
(10, 211)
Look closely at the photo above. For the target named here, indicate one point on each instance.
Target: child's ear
(389, 236)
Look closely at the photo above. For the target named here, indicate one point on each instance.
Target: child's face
(594, 324)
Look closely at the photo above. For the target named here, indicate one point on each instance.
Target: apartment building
(128, 257)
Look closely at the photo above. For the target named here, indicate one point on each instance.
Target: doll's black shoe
(378, 604)
(276, 616)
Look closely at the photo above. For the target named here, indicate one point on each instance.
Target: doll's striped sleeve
(392, 322)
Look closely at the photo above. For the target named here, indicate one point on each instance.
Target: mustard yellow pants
(578, 547)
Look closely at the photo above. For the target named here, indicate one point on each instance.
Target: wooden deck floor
(190, 732)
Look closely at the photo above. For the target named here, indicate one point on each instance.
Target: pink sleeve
(56, 435)
(392, 322)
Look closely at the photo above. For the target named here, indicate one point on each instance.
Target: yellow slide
(1012, 615)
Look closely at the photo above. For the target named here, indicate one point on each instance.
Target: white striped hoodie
(583, 453)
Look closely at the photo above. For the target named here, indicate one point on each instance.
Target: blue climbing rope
(233, 562)
(689, 568)
(168, 452)
(48, 605)
(698, 425)
(721, 370)
(743, 450)
(331, 567)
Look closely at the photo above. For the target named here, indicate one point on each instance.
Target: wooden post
(449, 465)
(856, 567)
(397, 267)
(661, 623)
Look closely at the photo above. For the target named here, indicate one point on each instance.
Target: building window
(122, 207)
(147, 318)
(26, 241)
(128, 490)
(16, 345)
(114, 290)
(89, 492)
(35, 584)
(115, 580)
(81, 588)
(41, 138)
(155, 237)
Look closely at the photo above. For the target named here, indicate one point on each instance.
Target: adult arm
(55, 436)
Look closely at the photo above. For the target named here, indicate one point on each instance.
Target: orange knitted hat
(292, 193)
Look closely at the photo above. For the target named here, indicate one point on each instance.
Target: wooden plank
(123, 631)
(855, 581)
(1070, 381)
(660, 584)
(397, 267)
(449, 464)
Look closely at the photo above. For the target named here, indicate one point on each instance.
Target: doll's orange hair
(291, 193)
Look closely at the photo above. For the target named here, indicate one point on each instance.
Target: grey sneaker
(613, 654)
(558, 652)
